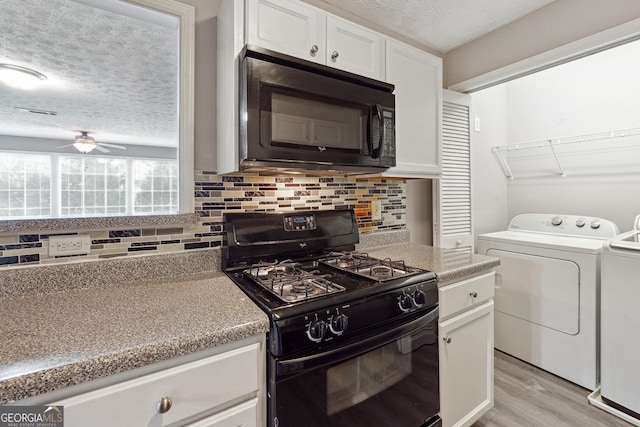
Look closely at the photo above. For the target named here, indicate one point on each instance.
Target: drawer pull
(473, 294)
(314, 49)
(335, 55)
(164, 404)
(446, 339)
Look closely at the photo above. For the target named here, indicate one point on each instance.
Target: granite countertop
(54, 340)
(61, 326)
(449, 265)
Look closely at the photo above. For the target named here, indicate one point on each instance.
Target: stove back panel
(253, 237)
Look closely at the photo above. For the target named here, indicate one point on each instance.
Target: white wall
(592, 95)
(489, 187)
(420, 211)
(555, 25)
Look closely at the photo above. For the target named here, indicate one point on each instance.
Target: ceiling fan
(85, 144)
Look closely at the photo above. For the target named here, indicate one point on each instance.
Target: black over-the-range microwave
(297, 114)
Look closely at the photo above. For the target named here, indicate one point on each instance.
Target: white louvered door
(452, 208)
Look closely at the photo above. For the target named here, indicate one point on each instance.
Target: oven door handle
(304, 364)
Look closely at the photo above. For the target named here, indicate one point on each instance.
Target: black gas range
(332, 308)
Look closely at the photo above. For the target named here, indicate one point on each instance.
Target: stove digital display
(299, 223)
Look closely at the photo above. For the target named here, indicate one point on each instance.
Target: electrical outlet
(376, 210)
(69, 245)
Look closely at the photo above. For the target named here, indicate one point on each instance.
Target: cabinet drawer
(465, 294)
(243, 415)
(193, 388)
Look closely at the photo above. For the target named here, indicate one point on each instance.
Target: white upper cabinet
(353, 48)
(289, 27)
(303, 31)
(417, 76)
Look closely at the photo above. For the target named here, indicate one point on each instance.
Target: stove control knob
(595, 224)
(405, 302)
(317, 330)
(580, 223)
(556, 220)
(419, 297)
(339, 323)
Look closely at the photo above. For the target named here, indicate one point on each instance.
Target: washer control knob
(419, 297)
(338, 323)
(405, 302)
(556, 220)
(595, 224)
(580, 223)
(317, 329)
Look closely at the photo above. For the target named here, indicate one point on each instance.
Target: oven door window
(303, 121)
(393, 384)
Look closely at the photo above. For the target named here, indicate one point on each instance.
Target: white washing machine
(547, 292)
(620, 326)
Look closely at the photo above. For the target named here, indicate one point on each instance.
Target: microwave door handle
(375, 152)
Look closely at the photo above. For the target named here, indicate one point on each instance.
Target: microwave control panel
(388, 144)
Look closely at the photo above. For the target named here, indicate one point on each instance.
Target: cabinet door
(353, 48)
(290, 27)
(417, 77)
(466, 366)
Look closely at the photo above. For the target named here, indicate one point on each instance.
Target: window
(155, 186)
(25, 185)
(50, 185)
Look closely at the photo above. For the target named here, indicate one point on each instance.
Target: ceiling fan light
(84, 146)
(20, 77)
(84, 143)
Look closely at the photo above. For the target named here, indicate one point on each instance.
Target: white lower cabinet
(466, 350)
(223, 390)
(243, 415)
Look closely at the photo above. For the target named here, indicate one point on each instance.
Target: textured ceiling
(111, 74)
(112, 68)
(440, 24)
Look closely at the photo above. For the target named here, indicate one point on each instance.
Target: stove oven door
(389, 378)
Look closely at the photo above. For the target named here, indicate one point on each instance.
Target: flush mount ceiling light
(20, 77)
(84, 143)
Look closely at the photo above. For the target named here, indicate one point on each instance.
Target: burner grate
(372, 268)
(290, 283)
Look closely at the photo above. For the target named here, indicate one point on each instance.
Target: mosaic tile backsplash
(216, 194)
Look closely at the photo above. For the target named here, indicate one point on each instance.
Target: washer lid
(543, 240)
(628, 241)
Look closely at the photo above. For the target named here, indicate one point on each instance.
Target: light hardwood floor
(526, 396)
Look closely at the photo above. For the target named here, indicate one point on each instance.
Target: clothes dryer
(547, 292)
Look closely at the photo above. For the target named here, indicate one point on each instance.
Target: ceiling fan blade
(102, 149)
(65, 146)
(111, 145)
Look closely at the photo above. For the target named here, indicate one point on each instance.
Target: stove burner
(381, 271)
(272, 271)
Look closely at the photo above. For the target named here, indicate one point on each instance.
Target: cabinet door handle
(163, 405)
(334, 55)
(314, 49)
(473, 294)
(446, 339)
